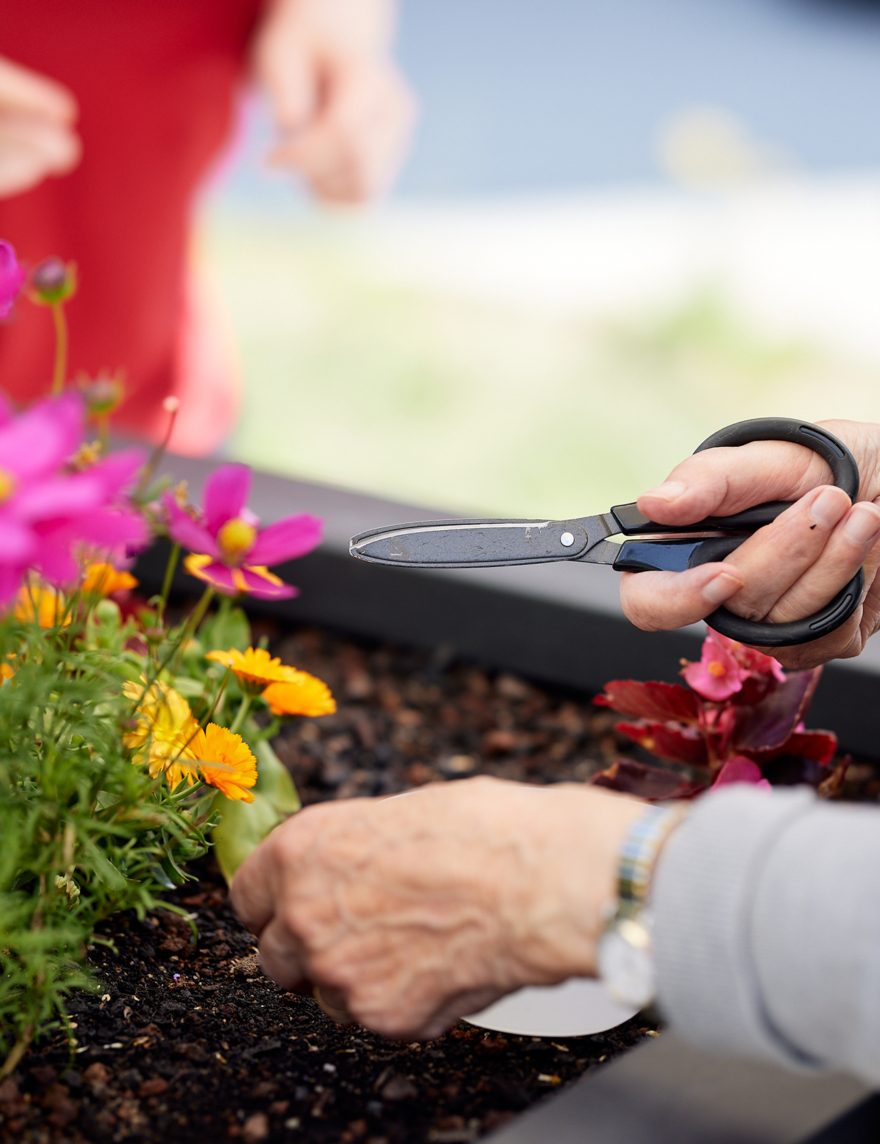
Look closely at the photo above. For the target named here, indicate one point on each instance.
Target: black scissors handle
(678, 555)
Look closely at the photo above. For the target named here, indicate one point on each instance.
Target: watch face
(626, 964)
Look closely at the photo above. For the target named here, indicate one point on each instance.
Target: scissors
(492, 543)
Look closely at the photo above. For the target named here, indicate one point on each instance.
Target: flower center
(716, 668)
(236, 538)
(7, 485)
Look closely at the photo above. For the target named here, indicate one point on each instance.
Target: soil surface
(189, 1042)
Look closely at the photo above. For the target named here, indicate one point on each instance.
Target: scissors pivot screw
(567, 539)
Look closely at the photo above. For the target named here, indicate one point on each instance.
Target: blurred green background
(542, 322)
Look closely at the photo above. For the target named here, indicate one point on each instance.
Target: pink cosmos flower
(741, 770)
(47, 514)
(229, 549)
(11, 277)
(718, 675)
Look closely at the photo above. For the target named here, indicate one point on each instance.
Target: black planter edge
(562, 624)
(558, 623)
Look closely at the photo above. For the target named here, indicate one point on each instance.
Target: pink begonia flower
(741, 770)
(229, 549)
(48, 514)
(755, 662)
(11, 277)
(718, 675)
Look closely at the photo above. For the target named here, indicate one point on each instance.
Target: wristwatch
(626, 951)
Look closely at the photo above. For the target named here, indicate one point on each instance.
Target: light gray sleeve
(767, 929)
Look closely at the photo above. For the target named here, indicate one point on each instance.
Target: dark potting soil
(187, 1041)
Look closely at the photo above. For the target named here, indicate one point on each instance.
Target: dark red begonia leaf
(772, 721)
(819, 746)
(655, 700)
(667, 741)
(645, 781)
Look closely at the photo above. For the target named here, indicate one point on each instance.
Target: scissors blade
(475, 543)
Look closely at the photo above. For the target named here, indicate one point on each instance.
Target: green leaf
(274, 781)
(241, 829)
(228, 628)
(189, 688)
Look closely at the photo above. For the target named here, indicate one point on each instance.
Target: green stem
(59, 372)
(153, 461)
(189, 628)
(198, 613)
(224, 607)
(170, 569)
(241, 714)
(212, 710)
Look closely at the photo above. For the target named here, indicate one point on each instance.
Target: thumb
(720, 482)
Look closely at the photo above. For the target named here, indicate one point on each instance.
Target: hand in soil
(409, 912)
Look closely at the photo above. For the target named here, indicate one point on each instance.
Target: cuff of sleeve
(702, 900)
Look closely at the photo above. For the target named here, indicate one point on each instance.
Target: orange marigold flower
(41, 604)
(163, 727)
(102, 579)
(254, 665)
(224, 761)
(300, 694)
(6, 672)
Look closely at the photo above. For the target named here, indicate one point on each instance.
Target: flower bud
(11, 277)
(103, 394)
(53, 281)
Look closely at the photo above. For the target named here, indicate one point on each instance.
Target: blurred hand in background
(38, 135)
(343, 111)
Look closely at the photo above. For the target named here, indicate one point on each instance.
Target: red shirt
(156, 82)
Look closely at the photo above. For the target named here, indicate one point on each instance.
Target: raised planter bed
(439, 674)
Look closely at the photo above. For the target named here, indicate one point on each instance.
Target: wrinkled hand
(788, 569)
(343, 112)
(409, 912)
(37, 129)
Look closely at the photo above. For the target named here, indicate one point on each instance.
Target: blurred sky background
(621, 226)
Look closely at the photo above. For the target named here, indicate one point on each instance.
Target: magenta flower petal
(11, 277)
(114, 529)
(226, 493)
(42, 438)
(118, 471)
(741, 770)
(11, 577)
(16, 542)
(218, 576)
(188, 532)
(286, 539)
(59, 497)
(56, 565)
(266, 587)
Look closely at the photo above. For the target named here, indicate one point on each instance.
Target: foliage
(129, 741)
(738, 719)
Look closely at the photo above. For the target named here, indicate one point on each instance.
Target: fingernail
(828, 508)
(668, 491)
(863, 525)
(721, 588)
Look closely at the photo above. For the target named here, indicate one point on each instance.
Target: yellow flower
(254, 666)
(6, 672)
(102, 579)
(163, 727)
(41, 604)
(300, 694)
(224, 761)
